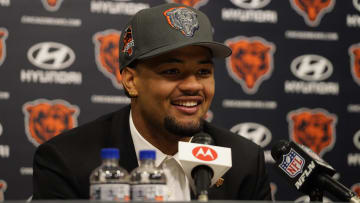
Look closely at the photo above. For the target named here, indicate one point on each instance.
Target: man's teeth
(187, 103)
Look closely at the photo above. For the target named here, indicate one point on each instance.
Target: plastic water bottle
(109, 181)
(148, 183)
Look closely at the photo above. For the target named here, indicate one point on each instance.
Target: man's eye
(170, 72)
(204, 72)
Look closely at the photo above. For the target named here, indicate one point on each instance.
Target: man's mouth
(186, 103)
(187, 106)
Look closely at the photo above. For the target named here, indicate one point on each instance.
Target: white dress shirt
(177, 182)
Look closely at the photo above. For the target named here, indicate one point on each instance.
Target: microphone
(310, 174)
(203, 163)
(202, 174)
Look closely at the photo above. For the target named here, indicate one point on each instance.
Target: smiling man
(167, 70)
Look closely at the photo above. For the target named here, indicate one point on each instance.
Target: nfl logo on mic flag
(292, 163)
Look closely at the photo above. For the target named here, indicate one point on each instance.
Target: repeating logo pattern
(182, 19)
(356, 189)
(251, 4)
(356, 139)
(255, 132)
(356, 4)
(251, 62)
(45, 119)
(52, 5)
(3, 187)
(3, 37)
(51, 55)
(354, 52)
(193, 3)
(314, 128)
(311, 67)
(312, 10)
(107, 55)
(204, 153)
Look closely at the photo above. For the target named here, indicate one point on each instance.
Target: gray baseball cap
(164, 28)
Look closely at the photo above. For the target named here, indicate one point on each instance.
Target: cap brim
(218, 50)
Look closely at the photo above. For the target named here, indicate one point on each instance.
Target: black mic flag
(310, 174)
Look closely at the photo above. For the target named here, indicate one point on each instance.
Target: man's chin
(183, 128)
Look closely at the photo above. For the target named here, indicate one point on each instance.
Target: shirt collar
(140, 143)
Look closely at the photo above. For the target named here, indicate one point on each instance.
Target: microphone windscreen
(279, 149)
(202, 138)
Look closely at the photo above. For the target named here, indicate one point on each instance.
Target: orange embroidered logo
(192, 3)
(52, 5)
(313, 128)
(312, 10)
(3, 37)
(107, 55)
(46, 119)
(354, 52)
(251, 61)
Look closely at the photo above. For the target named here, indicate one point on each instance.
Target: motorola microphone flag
(217, 158)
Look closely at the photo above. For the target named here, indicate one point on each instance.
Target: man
(167, 70)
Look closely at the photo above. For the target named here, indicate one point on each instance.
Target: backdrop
(294, 74)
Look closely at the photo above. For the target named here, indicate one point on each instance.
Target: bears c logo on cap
(107, 55)
(46, 119)
(192, 3)
(251, 62)
(182, 19)
(3, 36)
(313, 128)
(312, 10)
(354, 52)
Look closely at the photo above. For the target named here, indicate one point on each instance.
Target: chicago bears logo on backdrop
(3, 37)
(354, 52)
(193, 3)
(3, 187)
(52, 5)
(182, 19)
(45, 119)
(251, 62)
(312, 10)
(313, 128)
(356, 189)
(107, 55)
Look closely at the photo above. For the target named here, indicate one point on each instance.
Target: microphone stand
(316, 195)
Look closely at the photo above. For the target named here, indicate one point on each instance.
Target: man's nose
(190, 84)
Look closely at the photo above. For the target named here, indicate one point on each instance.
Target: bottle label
(110, 192)
(149, 192)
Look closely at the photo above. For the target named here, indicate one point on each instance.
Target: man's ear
(128, 80)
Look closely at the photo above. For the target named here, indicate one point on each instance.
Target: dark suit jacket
(62, 165)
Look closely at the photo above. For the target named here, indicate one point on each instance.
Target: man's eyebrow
(175, 60)
(206, 61)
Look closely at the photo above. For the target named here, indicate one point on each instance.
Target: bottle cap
(110, 153)
(147, 154)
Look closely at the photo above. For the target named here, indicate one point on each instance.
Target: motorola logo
(51, 55)
(255, 132)
(356, 139)
(204, 153)
(311, 67)
(251, 4)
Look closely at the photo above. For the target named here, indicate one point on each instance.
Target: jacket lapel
(121, 138)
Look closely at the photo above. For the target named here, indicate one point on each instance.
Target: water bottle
(109, 181)
(148, 183)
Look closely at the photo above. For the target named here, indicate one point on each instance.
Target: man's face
(175, 90)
